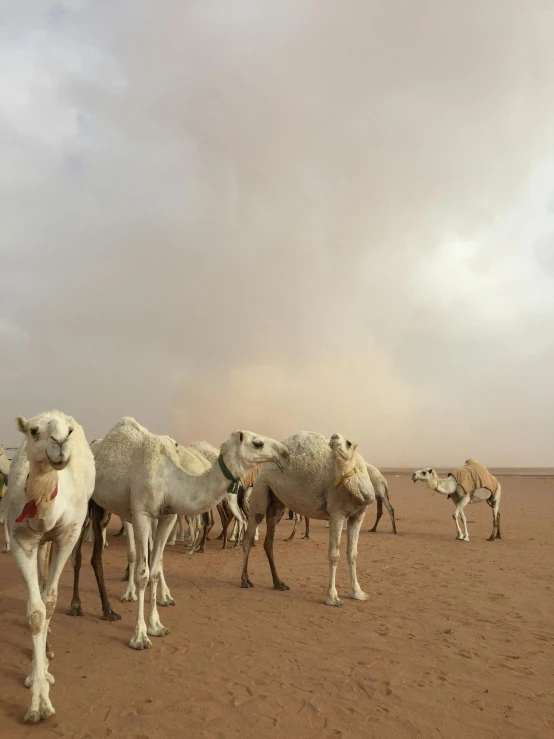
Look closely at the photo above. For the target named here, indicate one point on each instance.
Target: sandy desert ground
(456, 640)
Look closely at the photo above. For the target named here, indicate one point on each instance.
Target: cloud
(196, 198)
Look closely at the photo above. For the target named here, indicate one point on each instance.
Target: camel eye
(348, 444)
(34, 432)
(70, 432)
(258, 444)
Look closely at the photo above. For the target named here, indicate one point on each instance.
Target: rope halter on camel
(346, 475)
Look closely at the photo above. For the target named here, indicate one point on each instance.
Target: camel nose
(335, 436)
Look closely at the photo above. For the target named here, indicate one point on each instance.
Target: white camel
(472, 483)
(312, 487)
(148, 483)
(4, 478)
(50, 484)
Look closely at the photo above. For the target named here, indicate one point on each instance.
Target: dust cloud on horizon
(283, 216)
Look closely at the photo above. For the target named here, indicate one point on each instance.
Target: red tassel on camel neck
(30, 508)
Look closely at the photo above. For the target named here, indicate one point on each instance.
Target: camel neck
(193, 494)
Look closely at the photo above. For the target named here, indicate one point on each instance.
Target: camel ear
(22, 424)
(429, 471)
(241, 436)
(354, 447)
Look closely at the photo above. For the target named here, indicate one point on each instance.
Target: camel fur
(140, 479)
(461, 496)
(54, 452)
(308, 488)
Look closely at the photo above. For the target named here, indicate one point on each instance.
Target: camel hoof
(46, 711)
(75, 610)
(170, 544)
(128, 598)
(158, 630)
(140, 642)
(333, 602)
(111, 616)
(305, 537)
(247, 584)
(360, 595)
(281, 586)
(166, 602)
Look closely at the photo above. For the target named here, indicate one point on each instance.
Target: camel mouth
(58, 466)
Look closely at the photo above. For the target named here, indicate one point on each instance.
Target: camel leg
(274, 514)
(165, 524)
(121, 530)
(142, 530)
(222, 518)
(390, 509)
(205, 524)
(307, 532)
(234, 532)
(7, 547)
(297, 519)
(462, 535)
(43, 562)
(173, 537)
(253, 521)
(75, 608)
(130, 594)
(225, 521)
(96, 513)
(379, 501)
(89, 536)
(27, 562)
(495, 516)
(239, 536)
(336, 523)
(165, 598)
(354, 525)
(181, 525)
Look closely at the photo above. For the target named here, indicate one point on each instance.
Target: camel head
(351, 469)
(342, 448)
(244, 450)
(48, 439)
(427, 475)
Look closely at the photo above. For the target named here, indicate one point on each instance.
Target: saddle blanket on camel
(473, 476)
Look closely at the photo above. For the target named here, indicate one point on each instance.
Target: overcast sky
(282, 215)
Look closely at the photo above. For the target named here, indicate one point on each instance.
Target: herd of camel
(59, 485)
